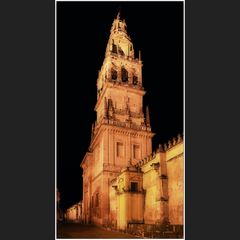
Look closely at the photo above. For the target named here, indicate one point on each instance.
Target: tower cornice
(120, 127)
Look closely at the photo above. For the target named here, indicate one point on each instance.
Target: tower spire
(119, 25)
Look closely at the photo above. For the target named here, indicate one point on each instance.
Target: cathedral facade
(125, 182)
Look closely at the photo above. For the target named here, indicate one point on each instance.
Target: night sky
(83, 29)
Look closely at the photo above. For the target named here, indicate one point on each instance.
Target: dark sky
(83, 28)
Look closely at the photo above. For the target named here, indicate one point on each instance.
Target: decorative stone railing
(120, 124)
(171, 143)
(125, 112)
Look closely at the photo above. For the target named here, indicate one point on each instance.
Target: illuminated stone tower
(121, 135)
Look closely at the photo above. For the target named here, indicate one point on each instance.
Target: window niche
(120, 149)
(114, 75)
(120, 51)
(134, 187)
(136, 151)
(124, 75)
(135, 80)
(114, 48)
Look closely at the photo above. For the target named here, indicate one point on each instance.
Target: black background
(83, 30)
(27, 178)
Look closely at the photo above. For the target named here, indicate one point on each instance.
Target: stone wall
(151, 186)
(175, 171)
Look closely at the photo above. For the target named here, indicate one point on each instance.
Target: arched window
(114, 75)
(120, 51)
(124, 75)
(135, 80)
(114, 48)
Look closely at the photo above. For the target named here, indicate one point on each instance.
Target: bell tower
(120, 92)
(121, 135)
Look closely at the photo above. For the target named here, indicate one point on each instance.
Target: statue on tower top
(119, 25)
(118, 15)
(119, 41)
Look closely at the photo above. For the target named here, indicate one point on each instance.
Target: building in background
(59, 210)
(74, 213)
(126, 185)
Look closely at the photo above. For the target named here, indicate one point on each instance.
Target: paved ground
(77, 230)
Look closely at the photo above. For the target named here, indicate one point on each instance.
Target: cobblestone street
(77, 230)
